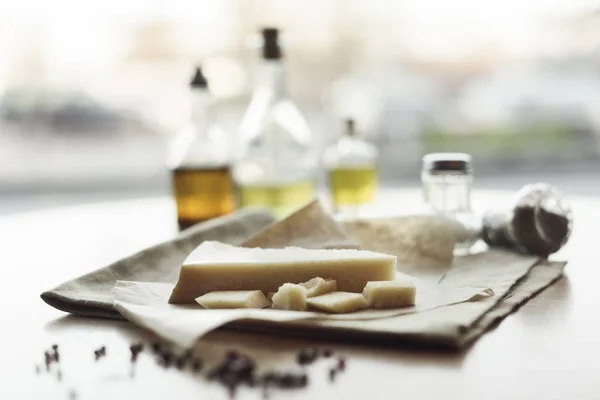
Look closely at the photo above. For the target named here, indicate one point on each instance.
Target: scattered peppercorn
(156, 347)
(332, 374)
(166, 359)
(99, 353)
(179, 362)
(136, 349)
(307, 355)
(48, 360)
(55, 347)
(341, 364)
(59, 375)
(235, 369)
(285, 380)
(327, 352)
(242, 368)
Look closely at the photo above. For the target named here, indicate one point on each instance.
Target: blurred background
(92, 92)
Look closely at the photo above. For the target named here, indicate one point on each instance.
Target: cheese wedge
(290, 297)
(338, 302)
(318, 286)
(214, 266)
(234, 299)
(391, 294)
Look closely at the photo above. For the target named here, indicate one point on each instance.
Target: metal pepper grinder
(539, 222)
(446, 180)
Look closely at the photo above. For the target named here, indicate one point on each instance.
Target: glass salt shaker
(539, 221)
(446, 180)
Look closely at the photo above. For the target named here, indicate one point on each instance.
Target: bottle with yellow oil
(351, 165)
(277, 161)
(200, 162)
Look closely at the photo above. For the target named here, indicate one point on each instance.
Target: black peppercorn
(332, 374)
(99, 353)
(306, 356)
(136, 349)
(48, 360)
(166, 358)
(156, 347)
(341, 364)
(179, 362)
(327, 352)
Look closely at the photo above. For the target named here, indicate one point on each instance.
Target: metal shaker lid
(453, 163)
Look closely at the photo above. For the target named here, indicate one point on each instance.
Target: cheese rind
(391, 294)
(234, 299)
(318, 286)
(290, 297)
(338, 302)
(215, 266)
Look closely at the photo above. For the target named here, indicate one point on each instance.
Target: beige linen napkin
(514, 279)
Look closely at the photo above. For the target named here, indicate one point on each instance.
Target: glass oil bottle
(351, 165)
(199, 161)
(277, 160)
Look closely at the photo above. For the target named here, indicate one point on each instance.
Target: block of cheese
(338, 302)
(214, 266)
(318, 286)
(391, 294)
(234, 299)
(290, 297)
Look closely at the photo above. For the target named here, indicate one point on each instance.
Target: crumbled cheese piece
(234, 299)
(338, 302)
(290, 297)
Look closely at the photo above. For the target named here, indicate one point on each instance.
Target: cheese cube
(338, 302)
(290, 297)
(234, 299)
(391, 294)
(319, 286)
(214, 266)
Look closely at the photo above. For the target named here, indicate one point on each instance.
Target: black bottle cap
(440, 163)
(271, 49)
(199, 81)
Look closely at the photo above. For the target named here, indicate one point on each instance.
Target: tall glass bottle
(352, 173)
(276, 165)
(199, 161)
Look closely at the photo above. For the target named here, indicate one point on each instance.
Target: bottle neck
(271, 78)
(201, 111)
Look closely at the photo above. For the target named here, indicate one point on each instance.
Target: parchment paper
(145, 304)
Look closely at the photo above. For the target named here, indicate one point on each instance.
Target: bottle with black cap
(200, 162)
(351, 164)
(276, 162)
(446, 180)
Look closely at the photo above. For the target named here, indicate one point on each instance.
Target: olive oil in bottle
(352, 173)
(281, 198)
(277, 164)
(202, 193)
(201, 177)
